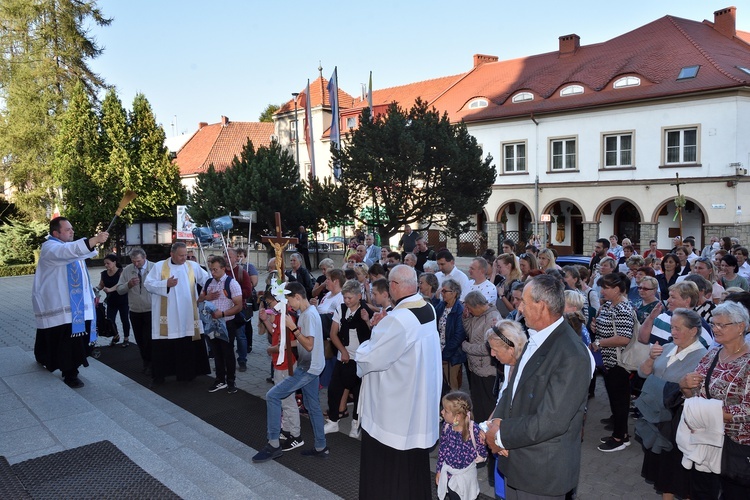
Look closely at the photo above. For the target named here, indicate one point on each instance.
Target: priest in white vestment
(177, 346)
(63, 300)
(401, 370)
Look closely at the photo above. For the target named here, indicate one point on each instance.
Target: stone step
(189, 456)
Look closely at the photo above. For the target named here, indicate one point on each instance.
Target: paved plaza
(39, 415)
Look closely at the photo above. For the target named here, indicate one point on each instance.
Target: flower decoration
(279, 291)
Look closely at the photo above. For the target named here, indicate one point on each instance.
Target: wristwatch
(596, 342)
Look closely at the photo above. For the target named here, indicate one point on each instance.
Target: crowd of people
(529, 335)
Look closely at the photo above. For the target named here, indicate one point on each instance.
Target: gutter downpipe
(536, 185)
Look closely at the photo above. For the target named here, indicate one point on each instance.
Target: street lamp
(296, 126)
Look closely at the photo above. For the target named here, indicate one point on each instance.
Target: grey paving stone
(23, 441)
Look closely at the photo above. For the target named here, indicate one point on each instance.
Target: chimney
(482, 58)
(569, 44)
(725, 21)
(224, 121)
(202, 124)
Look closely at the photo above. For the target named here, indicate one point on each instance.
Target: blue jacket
(454, 333)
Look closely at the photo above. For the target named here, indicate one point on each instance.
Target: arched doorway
(627, 224)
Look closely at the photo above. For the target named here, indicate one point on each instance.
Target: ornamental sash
(163, 320)
(76, 298)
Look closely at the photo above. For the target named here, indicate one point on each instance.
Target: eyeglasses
(721, 326)
(644, 288)
(523, 256)
(445, 290)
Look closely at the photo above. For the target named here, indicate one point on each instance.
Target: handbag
(632, 356)
(735, 461)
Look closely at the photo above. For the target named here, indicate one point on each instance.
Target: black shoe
(611, 444)
(285, 435)
(115, 340)
(74, 383)
(292, 443)
(217, 386)
(267, 453)
(269, 380)
(231, 388)
(608, 420)
(126, 342)
(243, 367)
(312, 452)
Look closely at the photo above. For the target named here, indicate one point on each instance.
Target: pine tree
(76, 164)
(152, 175)
(45, 46)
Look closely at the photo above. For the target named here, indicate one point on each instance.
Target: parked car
(566, 260)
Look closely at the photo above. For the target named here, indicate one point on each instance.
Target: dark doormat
(243, 416)
(97, 470)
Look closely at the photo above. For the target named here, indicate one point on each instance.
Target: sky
(198, 60)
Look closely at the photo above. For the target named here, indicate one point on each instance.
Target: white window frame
(626, 81)
(688, 154)
(292, 130)
(619, 150)
(571, 90)
(523, 97)
(479, 102)
(565, 142)
(351, 122)
(516, 169)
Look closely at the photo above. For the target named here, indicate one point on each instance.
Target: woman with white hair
(724, 374)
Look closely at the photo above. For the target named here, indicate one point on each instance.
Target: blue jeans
(309, 385)
(241, 345)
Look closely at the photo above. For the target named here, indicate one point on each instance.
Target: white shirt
(486, 288)
(744, 270)
(458, 276)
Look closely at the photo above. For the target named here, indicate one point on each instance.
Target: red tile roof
(319, 96)
(219, 143)
(654, 52)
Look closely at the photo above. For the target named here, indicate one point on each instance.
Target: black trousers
(226, 364)
(344, 377)
(617, 382)
(141, 324)
(122, 308)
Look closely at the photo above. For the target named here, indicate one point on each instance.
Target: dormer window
(743, 68)
(571, 90)
(688, 72)
(523, 97)
(478, 103)
(627, 81)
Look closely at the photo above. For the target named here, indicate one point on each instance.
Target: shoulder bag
(632, 356)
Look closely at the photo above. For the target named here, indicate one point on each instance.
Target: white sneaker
(355, 432)
(330, 427)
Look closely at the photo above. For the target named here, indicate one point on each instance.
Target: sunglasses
(644, 288)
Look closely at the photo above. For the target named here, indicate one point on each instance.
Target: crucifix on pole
(279, 243)
(679, 202)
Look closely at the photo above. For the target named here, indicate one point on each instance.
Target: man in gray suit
(372, 251)
(537, 423)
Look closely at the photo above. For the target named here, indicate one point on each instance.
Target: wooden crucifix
(679, 202)
(279, 243)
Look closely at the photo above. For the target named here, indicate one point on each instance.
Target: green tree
(76, 162)
(415, 167)
(45, 46)
(152, 175)
(266, 181)
(19, 239)
(267, 114)
(114, 174)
